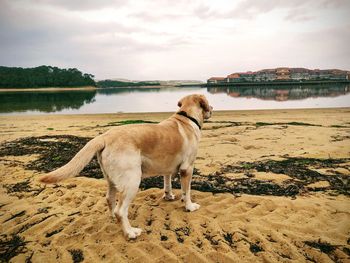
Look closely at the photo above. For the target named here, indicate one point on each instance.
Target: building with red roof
(283, 74)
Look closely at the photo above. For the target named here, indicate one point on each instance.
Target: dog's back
(162, 147)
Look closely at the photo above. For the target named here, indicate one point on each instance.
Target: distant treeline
(43, 76)
(115, 83)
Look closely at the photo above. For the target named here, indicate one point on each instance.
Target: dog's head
(197, 101)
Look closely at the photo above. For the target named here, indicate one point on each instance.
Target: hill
(43, 76)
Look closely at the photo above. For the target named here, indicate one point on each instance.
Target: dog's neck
(184, 113)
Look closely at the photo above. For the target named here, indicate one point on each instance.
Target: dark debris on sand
(21, 187)
(11, 247)
(221, 184)
(324, 247)
(328, 248)
(77, 255)
(255, 248)
(18, 187)
(55, 151)
(299, 169)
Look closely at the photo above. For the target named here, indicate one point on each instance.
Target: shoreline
(48, 89)
(162, 113)
(91, 88)
(275, 83)
(184, 86)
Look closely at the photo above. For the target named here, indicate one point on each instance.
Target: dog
(128, 153)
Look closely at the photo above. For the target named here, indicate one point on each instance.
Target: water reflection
(283, 93)
(112, 91)
(44, 101)
(162, 99)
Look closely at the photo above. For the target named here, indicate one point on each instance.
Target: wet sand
(273, 188)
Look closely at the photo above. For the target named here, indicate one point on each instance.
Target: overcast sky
(168, 39)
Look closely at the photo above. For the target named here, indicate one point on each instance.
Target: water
(114, 100)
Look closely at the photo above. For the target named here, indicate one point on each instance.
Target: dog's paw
(192, 207)
(134, 232)
(169, 197)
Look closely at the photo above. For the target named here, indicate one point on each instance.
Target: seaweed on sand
(324, 247)
(77, 255)
(19, 214)
(23, 186)
(299, 169)
(293, 123)
(18, 187)
(120, 123)
(222, 184)
(11, 247)
(229, 238)
(328, 249)
(55, 151)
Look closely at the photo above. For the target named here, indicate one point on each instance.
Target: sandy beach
(273, 187)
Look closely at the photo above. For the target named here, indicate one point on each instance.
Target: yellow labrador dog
(128, 153)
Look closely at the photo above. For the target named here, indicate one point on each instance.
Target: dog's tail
(79, 161)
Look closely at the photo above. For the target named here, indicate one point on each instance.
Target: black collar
(183, 113)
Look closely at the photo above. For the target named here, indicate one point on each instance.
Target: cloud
(153, 17)
(296, 9)
(299, 15)
(82, 5)
(61, 39)
(162, 39)
(204, 11)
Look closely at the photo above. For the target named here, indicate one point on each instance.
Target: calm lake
(112, 100)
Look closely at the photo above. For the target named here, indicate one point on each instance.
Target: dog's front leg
(186, 177)
(168, 194)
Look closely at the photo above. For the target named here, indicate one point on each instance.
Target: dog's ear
(204, 103)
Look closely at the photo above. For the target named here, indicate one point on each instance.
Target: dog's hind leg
(111, 189)
(186, 177)
(110, 197)
(168, 194)
(130, 186)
